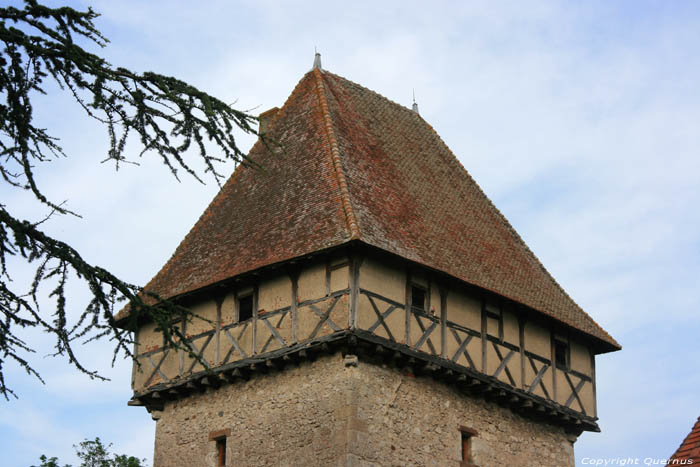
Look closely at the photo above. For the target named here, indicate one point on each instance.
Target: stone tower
(365, 304)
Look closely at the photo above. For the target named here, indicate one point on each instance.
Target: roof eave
(600, 346)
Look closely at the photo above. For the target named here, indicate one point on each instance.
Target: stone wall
(402, 420)
(326, 413)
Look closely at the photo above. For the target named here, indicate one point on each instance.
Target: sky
(578, 119)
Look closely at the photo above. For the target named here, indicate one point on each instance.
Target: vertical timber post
(219, 303)
(443, 321)
(294, 276)
(182, 351)
(408, 308)
(484, 336)
(595, 397)
(355, 263)
(521, 338)
(554, 366)
(255, 318)
(135, 354)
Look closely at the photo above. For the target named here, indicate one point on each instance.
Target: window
(418, 297)
(221, 452)
(245, 308)
(561, 354)
(466, 436)
(466, 447)
(219, 437)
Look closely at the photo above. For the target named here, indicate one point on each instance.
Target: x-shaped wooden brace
(504, 363)
(538, 378)
(426, 334)
(574, 392)
(156, 368)
(325, 318)
(462, 350)
(235, 346)
(273, 332)
(381, 317)
(199, 352)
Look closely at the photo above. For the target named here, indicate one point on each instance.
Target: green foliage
(49, 462)
(168, 116)
(93, 453)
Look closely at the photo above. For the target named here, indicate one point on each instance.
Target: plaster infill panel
(580, 358)
(463, 309)
(312, 283)
(203, 317)
(228, 309)
(340, 277)
(384, 280)
(274, 294)
(148, 338)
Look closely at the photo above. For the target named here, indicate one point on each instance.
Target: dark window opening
(221, 452)
(245, 308)
(561, 354)
(466, 439)
(418, 298)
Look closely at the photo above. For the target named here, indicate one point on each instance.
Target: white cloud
(578, 120)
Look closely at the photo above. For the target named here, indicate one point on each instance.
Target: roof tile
(689, 450)
(354, 165)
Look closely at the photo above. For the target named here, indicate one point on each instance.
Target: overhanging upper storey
(380, 307)
(348, 165)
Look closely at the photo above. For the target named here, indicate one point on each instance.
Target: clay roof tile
(353, 165)
(689, 451)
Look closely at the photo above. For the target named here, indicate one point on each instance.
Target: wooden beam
(354, 271)
(526, 404)
(367, 345)
(212, 381)
(521, 342)
(194, 386)
(484, 334)
(407, 308)
(294, 277)
(135, 402)
(240, 373)
(274, 364)
(443, 322)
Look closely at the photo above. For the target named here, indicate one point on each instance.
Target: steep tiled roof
(689, 448)
(355, 166)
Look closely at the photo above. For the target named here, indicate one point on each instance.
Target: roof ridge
(512, 230)
(455, 162)
(365, 88)
(217, 198)
(335, 157)
(360, 166)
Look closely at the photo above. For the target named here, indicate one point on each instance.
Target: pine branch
(168, 116)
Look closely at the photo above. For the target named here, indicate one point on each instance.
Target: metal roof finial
(415, 105)
(317, 60)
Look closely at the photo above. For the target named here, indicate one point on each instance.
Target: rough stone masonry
(334, 412)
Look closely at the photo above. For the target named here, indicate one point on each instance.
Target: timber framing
(376, 350)
(484, 361)
(358, 248)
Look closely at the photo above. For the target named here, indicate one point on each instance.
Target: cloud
(578, 120)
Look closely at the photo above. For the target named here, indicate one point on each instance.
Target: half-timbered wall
(476, 331)
(303, 303)
(293, 307)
